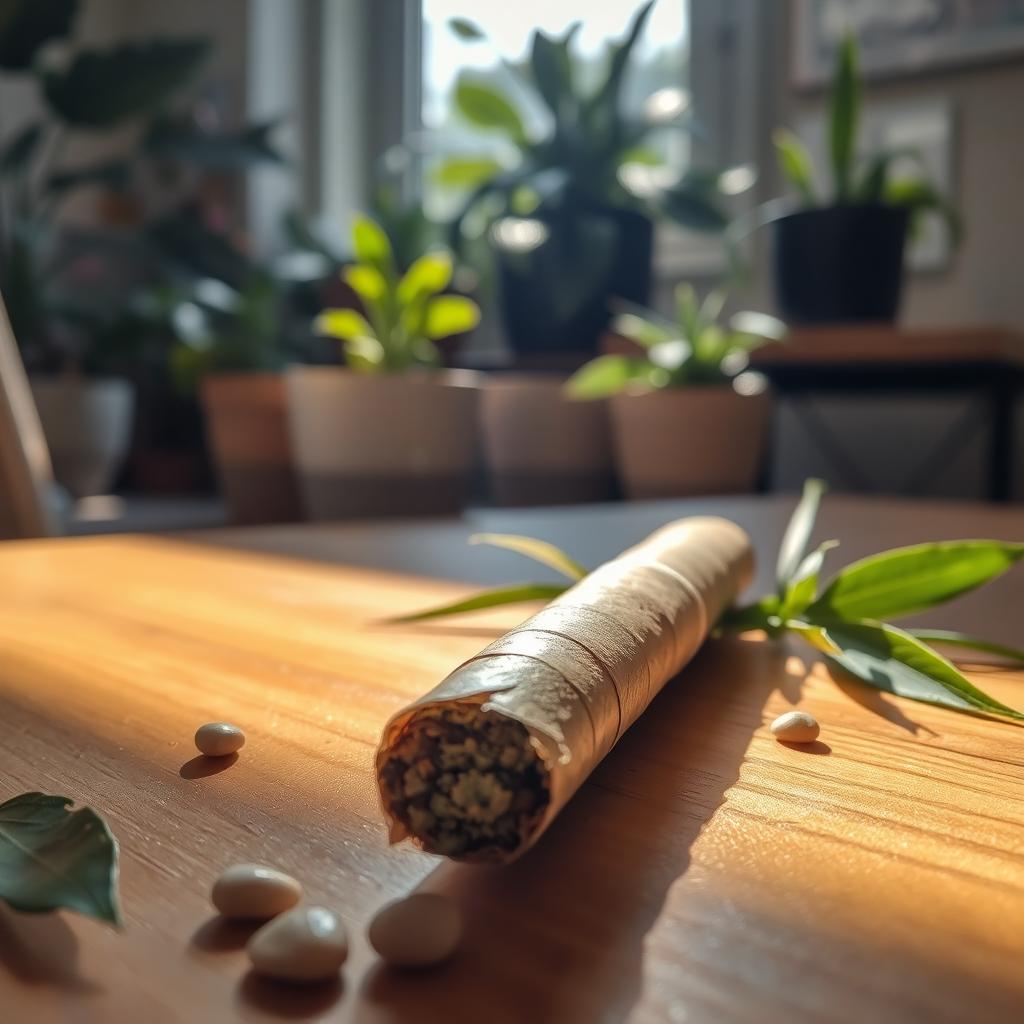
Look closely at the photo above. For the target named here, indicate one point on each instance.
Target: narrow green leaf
(642, 330)
(798, 533)
(371, 245)
(489, 599)
(803, 587)
(952, 638)
(51, 858)
(608, 93)
(465, 172)
(761, 614)
(920, 197)
(429, 275)
(844, 111)
(539, 550)
(795, 161)
(367, 282)
(890, 659)
(346, 324)
(551, 68)
(466, 30)
(484, 106)
(450, 314)
(911, 579)
(603, 376)
(759, 325)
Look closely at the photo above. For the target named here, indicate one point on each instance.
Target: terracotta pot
(542, 448)
(382, 445)
(682, 441)
(87, 422)
(247, 424)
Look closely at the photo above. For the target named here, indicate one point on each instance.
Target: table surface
(704, 873)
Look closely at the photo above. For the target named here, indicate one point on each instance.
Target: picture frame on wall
(904, 37)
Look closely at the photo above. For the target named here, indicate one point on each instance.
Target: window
(661, 62)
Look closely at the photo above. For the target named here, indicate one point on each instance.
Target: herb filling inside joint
(466, 781)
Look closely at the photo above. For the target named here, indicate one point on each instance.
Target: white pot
(388, 444)
(682, 441)
(542, 448)
(87, 422)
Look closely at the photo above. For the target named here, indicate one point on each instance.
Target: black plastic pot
(840, 264)
(556, 296)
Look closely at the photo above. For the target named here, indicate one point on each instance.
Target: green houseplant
(686, 418)
(391, 432)
(569, 207)
(231, 344)
(839, 256)
(70, 289)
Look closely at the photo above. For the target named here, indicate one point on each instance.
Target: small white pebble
(218, 739)
(795, 727)
(254, 892)
(304, 944)
(417, 931)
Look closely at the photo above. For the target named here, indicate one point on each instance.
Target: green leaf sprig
(694, 349)
(845, 620)
(404, 315)
(53, 858)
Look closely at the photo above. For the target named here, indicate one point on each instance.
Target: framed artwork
(900, 37)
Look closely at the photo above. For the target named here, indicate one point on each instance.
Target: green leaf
(803, 587)
(367, 282)
(607, 95)
(551, 68)
(798, 533)
(795, 161)
(346, 324)
(954, 639)
(760, 325)
(27, 25)
(466, 30)
(539, 550)
(603, 376)
(371, 245)
(890, 659)
(429, 275)
(911, 579)
(18, 151)
(920, 197)
(763, 614)
(365, 354)
(103, 88)
(844, 111)
(490, 599)
(52, 858)
(465, 172)
(484, 106)
(182, 140)
(642, 330)
(450, 314)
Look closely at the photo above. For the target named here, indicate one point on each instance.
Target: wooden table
(705, 873)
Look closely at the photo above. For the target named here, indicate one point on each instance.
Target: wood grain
(705, 873)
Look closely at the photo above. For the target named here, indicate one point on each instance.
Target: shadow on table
(559, 935)
(40, 949)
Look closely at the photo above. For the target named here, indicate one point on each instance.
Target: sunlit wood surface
(704, 874)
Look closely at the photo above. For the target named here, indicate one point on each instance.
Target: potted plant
(685, 417)
(569, 200)
(541, 447)
(230, 346)
(66, 285)
(839, 257)
(391, 433)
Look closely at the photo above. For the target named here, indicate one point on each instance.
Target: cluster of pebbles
(300, 942)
